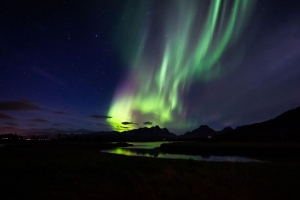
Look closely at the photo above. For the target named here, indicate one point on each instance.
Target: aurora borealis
(167, 59)
(81, 67)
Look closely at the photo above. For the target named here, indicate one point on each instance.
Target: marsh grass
(54, 170)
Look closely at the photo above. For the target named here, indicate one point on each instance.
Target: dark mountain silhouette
(142, 134)
(226, 129)
(153, 133)
(203, 131)
(285, 127)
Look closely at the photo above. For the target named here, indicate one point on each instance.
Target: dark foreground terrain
(62, 170)
(266, 151)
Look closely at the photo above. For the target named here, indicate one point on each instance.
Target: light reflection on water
(151, 149)
(145, 145)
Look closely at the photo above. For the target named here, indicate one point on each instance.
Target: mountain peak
(226, 129)
(204, 127)
(202, 131)
(284, 127)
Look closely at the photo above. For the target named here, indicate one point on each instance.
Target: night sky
(83, 66)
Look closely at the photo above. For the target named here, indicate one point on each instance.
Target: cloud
(7, 128)
(18, 105)
(124, 127)
(100, 116)
(38, 120)
(58, 124)
(11, 124)
(30, 125)
(127, 123)
(25, 100)
(59, 112)
(4, 116)
(148, 123)
(48, 129)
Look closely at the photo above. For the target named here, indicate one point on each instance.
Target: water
(151, 149)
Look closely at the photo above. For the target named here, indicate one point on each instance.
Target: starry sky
(85, 66)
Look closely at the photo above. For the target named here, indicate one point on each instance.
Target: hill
(285, 127)
(203, 131)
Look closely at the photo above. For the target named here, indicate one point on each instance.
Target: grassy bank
(54, 170)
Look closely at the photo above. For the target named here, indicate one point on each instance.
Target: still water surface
(151, 149)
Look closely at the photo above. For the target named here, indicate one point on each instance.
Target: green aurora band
(167, 49)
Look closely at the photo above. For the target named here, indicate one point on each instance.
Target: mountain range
(285, 127)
